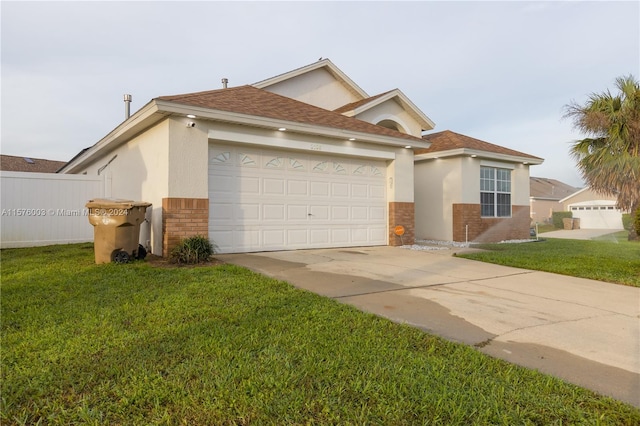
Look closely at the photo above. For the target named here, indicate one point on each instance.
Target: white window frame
(495, 183)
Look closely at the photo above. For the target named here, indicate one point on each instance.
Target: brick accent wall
(183, 217)
(402, 214)
(490, 229)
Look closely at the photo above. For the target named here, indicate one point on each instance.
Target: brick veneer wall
(401, 214)
(490, 229)
(183, 217)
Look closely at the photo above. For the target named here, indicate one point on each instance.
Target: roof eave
(425, 122)
(292, 126)
(466, 152)
(140, 120)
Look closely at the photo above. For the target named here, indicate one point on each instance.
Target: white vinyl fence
(41, 209)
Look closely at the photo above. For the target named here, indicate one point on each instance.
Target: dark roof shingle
(448, 140)
(257, 102)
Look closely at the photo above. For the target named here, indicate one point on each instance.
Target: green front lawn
(138, 344)
(610, 258)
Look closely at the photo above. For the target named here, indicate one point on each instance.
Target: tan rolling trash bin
(116, 229)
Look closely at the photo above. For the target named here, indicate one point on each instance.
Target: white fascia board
(143, 118)
(288, 143)
(333, 70)
(479, 154)
(425, 122)
(292, 126)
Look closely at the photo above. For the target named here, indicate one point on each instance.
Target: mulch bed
(163, 262)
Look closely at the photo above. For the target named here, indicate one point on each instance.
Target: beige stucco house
(545, 196)
(471, 190)
(306, 159)
(595, 210)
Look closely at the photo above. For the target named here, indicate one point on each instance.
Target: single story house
(471, 190)
(305, 159)
(12, 163)
(545, 196)
(595, 211)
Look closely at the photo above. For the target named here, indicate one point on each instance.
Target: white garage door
(597, 215)
(264, 200)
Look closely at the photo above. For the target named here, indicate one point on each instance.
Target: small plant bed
(134, 344)
(611, 258)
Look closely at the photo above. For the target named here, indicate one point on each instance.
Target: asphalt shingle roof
(550, 188)
(257, 102)
(11, 163)
(448, 140)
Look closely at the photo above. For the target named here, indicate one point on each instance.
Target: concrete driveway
(583, 331)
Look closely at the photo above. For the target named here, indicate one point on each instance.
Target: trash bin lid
(115, 203)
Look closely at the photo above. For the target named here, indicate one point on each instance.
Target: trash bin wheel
(142, 252)
(120, 256)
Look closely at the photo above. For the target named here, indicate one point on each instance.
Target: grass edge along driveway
(137, 344)
(611, 259)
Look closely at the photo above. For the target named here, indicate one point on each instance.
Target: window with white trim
(495, 192)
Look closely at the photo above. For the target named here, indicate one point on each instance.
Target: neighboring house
(545, 196)
(595, 211)
(10, 163)
(471, 190)
(305, 159)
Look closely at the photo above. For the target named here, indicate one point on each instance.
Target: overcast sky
(497, 71)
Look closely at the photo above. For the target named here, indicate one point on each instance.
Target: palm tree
(609, 159)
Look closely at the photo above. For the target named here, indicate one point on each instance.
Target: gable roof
(448, 143)
(362, 105)
(252, 101)
(549, 189)
(322, 63)
(11, 163)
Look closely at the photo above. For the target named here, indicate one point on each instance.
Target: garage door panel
(297, 187)
(359, 190)
(319, 237)
(221, 184)
(378, 235)
(297, 212)
(247, 185)
(377, 213)
(223, 239)
(221, 211)
(267, 199)
(340, 235)
(360, 235)
(247, 211)
(319, 212)
(359, 213)
(319, 189)
(340, 213)
(273, 238)
(340, 190)
(273, 212)
(273, 186)
(298, 237)
(377, 192)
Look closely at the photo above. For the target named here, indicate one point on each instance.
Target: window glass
(495, 192)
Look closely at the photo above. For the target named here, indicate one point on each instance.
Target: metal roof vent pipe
(225, 81)
(127, 106)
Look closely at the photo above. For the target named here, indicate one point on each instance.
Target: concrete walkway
(583, 331)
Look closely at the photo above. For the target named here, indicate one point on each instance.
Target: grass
(136, 344)
(610, 258)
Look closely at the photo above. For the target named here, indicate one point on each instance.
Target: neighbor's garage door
(263, 199)
(597, 216)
